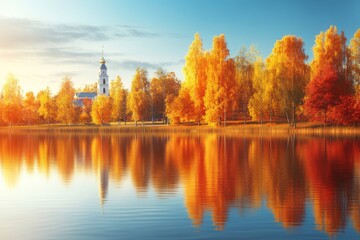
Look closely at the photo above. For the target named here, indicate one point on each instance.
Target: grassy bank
(232, 128)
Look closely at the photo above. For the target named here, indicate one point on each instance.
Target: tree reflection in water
(216, 172)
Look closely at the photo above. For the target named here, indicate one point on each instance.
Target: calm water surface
(207, 186)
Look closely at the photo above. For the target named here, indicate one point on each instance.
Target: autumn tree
(30, 110)
(355, 57)
(181, 108)
(244, 63)
(101, 110)
(331, 83)
(220, 95)
(139, 96)
(65, 102)
(195, 76)
(330, 49)
(89, 88)
(11, 101)
(47, 108)
(125, 110)
(117, 95)
(163, 87)
(257, 103)
(1, 110)
(289, 72)
(323, 92)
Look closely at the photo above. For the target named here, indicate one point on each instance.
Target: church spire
(102, 60)
(103, 82)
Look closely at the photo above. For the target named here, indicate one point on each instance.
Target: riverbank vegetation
(285, 87)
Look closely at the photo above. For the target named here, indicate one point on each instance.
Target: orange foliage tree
(220, 95)
(47, 103)
(331, 86)
(164, 87)
(195, 76)
(139, 96)
(101, 110)
(64, 102)
(181, 109)
(11, 101)
(31, 106)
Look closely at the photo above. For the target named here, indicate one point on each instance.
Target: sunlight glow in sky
(43, 41)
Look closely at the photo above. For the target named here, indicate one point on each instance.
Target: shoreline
(303, 128)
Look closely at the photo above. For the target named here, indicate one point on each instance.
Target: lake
(179, 186)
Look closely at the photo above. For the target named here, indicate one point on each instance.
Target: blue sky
(42, 41)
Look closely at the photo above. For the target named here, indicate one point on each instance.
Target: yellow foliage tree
(289, 73)
(30, 108)
(329, 49)
(64, 102)
(195, 76)
(220, 95)
(47, 103)
(163, 88)
(101, 110)
(244, 63)
(12, 101)
(118, 96)
(257, 103)
(139, 96)
(355, 56)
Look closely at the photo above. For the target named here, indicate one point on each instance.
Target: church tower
(103, 83)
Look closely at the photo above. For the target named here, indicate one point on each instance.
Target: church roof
(103, 66)
(78, 103)
(90, 95)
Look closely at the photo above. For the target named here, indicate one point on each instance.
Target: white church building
(102, 86)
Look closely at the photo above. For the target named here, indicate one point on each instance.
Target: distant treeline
(216, 88)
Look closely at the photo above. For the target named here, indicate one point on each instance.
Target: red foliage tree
(329, 97)
(345, 112)
(322, 93)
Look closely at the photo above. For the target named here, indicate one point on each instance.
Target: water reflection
(215, 172)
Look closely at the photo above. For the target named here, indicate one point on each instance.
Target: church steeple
(103, 82)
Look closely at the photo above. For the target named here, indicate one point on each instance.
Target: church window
(104, 91)
(104, 81)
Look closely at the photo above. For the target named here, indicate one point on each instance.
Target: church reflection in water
(216, 172)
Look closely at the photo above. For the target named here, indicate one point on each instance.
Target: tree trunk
(294, 115)
(224, 118)
(244, 113)
(270, 110)
(287, 118)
